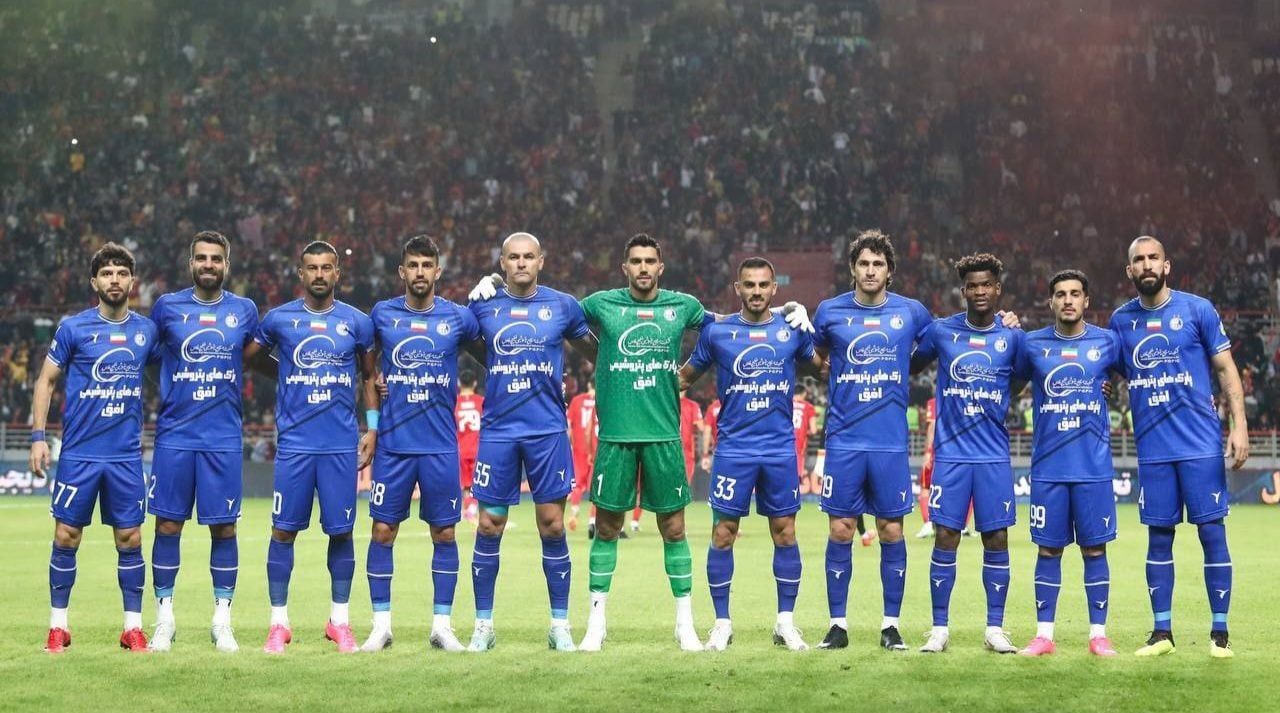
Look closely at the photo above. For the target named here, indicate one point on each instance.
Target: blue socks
(942, 579)
(1097, 587)
(893, 575)
(1160, 575)
(719, 578)
(839, 571)
(62, 575)
(557, 569)
(224, 566)
(342, 568)
(279, 570)
(444, 576)
(995, 579)
(484, 573)
(380, 565)
(166, 555)
(1217, 571)
(786, 573)
(1048, 585)
(131, 571)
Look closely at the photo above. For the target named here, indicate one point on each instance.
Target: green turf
(641, 667)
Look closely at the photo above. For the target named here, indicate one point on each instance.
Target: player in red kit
(583, 429)
(466, 413)
(709, 420)
(805, 420)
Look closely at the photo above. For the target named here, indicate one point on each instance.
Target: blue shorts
(854, 482)
(545, 461)
(211, 481)
(300, 477)
(1062, 513)
(78, 485)
(989, 486)
(435, 474)
(774, 480)
(1199, 485)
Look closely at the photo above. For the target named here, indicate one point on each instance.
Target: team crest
(139, 339)
(231, 321)
(896, 321)
(544, 314)
(342, 329)
(1001, 344)
(442, 329)
(1094, 354)
(784, 334)
(669, 314)
(1176, 323)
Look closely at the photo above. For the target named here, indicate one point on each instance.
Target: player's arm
(688, 375)
(48, 379)
(475, 348)
(587, 345)
(259, 359)
(928, 443)
(367, 362)
(1233, 390)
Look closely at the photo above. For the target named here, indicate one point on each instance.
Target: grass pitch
(641, 666)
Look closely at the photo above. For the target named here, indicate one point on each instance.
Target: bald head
(521, 238)
(521, 261)
(1145, 244)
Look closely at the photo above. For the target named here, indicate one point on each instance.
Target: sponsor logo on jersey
(973, 366)
(107, 371)
(416, 351)
(870, 347)
(312, 353)
(205, 344)
(1154, 350)
(518, 337)
(1067, 379)
(756, 360)
(642, 338)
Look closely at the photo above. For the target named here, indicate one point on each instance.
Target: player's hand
(486, 288)
(1237, 447)
(1107, 389)
(381, 386)
(39, 458)
(706, 463)
(1009, 319)
(927, 462)
(368, 444)
(797, 317)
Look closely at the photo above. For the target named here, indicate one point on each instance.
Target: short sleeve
(1119, 363)
(364, 332)
(922, 318)
(470, 326)
(265, 333)
(702, 357)
(158, 311)
(156, 347)
(1022, 362)
(821, 338)
(925, 349)
(249, 318)
(590, 306)
(1213, 334)
(576, 324)
(695, 316)
(805, 352)
(63, 344)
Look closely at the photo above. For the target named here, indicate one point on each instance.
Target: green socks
(678, 563)
(604, 559)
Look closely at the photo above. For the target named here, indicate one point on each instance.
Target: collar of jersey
(854, 296)
(755, 324)
(308, 310)
(1059, 335)
(522, 299)
(197, 300)
(969, 325)
(108, 321)
(419, 311)
(1160, 306)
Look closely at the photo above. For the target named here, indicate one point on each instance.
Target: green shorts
(655, 468)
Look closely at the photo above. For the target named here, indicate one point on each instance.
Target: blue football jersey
(316, 387)
(755, 380)
(524, 353)
(1071, 439)
(419, 362)
(103, 362)
(974, 369)
(1168, 353)
(201, 348)
(870, 353)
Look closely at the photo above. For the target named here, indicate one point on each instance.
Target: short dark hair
(421, 245)
(641, 240)
(320, 247)
(755, 262)
(875, 241)
(1069, 274)
(980, 262)
(111, 254)
(467, 378)
(212, 237)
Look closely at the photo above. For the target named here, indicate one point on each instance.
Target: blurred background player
(1071, 470)
(103, 350)
(926, 468)
(522, 432)
(755, 354)
(419, 336)
(582, 439)
(323, 347)
(1172, 341)
(467, 414)
(198, 458)
(975, 354)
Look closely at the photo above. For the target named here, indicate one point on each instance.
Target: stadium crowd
(752, 129)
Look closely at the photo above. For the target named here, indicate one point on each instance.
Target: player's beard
(106, 299)
(420, 290)
(320, 291)
(200, 279)
(1149, 289)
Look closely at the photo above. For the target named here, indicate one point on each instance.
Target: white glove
(486, 288)
(797, 317)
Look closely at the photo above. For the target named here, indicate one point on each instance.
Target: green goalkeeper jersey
(637, 386)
